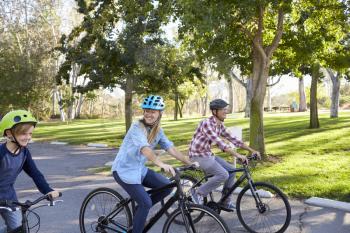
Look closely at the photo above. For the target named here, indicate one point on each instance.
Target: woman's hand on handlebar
(167, 168)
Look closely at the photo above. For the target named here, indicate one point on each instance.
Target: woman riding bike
(129, 168)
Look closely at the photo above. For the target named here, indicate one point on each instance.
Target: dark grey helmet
(218, 104)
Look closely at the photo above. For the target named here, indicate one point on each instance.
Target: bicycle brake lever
(53, 203)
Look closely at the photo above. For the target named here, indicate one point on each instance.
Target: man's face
(221, 114)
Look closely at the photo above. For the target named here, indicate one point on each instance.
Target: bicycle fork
(258, 202)
(186, 215)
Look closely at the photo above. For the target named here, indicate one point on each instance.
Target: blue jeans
(13, 220)
(144, 201)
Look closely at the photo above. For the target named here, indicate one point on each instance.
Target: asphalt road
(66, 169)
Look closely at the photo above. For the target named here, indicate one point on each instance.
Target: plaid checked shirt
(207, 133)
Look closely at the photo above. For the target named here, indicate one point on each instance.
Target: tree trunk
(259, 80)
(335, 93)
(248, 89)
(205, 104)
(53, 102)
(230, 94)
(181, 105)
(269, 98)
(60, 104)
(314, 122)
(176, 108)
(128, 102)
(302, 97)
(79, 104)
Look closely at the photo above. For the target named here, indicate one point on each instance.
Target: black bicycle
(26, 208)
(105, 210)
(261, 207)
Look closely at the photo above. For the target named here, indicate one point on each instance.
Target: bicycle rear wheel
(271, 214)
(209, 221)
(97, 205)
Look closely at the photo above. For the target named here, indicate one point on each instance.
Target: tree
(314, 29)
(247, 29)
(117, 43)
(338, 61)
(26, 61)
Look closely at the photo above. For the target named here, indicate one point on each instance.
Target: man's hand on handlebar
(195, 164)
(256, 154)
(242, 158)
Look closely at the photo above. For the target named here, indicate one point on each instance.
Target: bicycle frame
(244, 176)
(179, 196)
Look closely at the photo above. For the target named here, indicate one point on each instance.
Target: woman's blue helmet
(154, 102)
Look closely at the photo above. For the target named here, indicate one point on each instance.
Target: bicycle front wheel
(209, 222)
(269, 213)
(97, 205)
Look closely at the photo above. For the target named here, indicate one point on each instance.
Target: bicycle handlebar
(10, 205)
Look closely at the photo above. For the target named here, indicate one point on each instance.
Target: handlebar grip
(4, 203)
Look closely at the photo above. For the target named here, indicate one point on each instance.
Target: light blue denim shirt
(130, 162)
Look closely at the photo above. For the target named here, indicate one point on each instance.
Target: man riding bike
(210, 131)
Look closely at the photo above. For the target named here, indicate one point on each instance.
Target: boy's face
(24, 137)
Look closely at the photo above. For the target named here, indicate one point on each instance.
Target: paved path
(66, 169)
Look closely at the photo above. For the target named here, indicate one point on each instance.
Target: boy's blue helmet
(154, 102)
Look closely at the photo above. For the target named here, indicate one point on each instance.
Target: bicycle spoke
(272, 216)
(97, 206)
(208, 223)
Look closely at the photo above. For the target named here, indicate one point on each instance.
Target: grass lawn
(306, 162)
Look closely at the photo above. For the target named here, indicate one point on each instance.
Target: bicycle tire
(276, 206)
(92, 203)
(210, 221)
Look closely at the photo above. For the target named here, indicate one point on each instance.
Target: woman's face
(151, 115)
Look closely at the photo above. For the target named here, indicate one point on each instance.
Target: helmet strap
(13, 139)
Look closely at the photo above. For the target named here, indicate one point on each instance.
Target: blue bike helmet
(154, 102)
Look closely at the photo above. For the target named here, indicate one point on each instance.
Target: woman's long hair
(154, 130)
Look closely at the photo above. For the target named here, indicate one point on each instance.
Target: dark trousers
(144, 201)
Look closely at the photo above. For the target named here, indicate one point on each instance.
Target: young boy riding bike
(210, 132)
(17, 127)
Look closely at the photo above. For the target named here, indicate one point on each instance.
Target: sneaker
(196, 197)
(229, 207)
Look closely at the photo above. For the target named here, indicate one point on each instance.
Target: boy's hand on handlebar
(168, 168)
(53, 194)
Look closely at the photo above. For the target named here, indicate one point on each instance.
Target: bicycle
(25, 207)
(105, 210)
(254, 205)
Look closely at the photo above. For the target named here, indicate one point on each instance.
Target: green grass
(308, 162)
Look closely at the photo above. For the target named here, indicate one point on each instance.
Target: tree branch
(279, 30)
(234, 76)
(273, 84)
